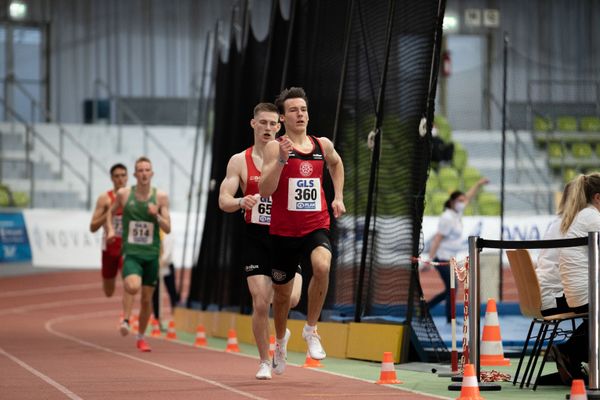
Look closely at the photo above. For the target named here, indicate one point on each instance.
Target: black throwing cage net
(370, 72)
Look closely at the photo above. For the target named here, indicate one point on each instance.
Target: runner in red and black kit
(293, 174)
(112, 261)
(243, 171)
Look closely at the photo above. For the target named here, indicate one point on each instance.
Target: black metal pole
(374, 162)
(338, 106)
(503, 172)
(199, 121)
(288, 46)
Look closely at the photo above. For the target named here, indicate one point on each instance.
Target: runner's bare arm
(120, 199)
(275, 156)
(336, 170)
(163, 216)
(100, 212)
(233, 179)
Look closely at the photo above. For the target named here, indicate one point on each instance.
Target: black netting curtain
(365, 66)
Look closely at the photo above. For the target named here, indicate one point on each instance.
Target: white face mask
(459, 206)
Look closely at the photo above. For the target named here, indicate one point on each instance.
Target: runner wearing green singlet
(145, 212)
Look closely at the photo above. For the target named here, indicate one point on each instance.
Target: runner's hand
(285, 146)
(249, 201)
(338, 208)
(152, 209)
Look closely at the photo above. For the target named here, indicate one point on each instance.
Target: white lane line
(62, 303)
(52, 289)
(49, 327)
(40, 375)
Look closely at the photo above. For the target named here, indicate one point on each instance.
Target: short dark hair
(290, 93)
(265, 107)
(453, 196)
(117, 166)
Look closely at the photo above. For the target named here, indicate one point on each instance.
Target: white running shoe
(280, 356)
(313, 340)
(264, 371)
(124, 328)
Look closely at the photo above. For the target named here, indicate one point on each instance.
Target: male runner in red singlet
(293, 174)
(112, 260)
(243, 171)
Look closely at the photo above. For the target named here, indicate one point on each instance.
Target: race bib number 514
(304, 194)
(140, 232)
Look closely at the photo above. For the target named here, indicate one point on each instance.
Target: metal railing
(147, 136)
(31, 136)
(526, 157)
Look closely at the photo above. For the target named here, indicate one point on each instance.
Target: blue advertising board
(14, 243)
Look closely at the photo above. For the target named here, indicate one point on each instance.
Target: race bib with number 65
(261, 212)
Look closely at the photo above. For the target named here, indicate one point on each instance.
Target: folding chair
(530, 302)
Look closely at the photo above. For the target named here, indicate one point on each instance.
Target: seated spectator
(547, 268)
(580, 216)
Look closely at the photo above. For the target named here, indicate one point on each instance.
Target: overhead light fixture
(450, 23)
(17, 9)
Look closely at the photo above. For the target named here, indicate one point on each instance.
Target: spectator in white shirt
(547, 268)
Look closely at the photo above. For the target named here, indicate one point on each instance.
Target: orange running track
(59, 340)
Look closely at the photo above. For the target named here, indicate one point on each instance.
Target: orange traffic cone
(388, 372)
(491, 342)
(232, 343)
(135, 324)
(200, 336)
(578, 390)
(470, 387)
(272, 346)
(155, 328)
(171, 333)
(311, 362)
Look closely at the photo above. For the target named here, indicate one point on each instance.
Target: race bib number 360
(140, 232)
(261, 212)
(304, 194)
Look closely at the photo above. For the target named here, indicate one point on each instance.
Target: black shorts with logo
(289, 252)
(257, 251)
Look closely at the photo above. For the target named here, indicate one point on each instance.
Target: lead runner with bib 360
(293, 174)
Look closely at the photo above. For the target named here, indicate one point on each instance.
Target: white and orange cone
(232, 343)
(155, 328)
(578, 390)
(271, 346)
(200, 336)
(492, 353)
(311, 362)
(388, 372)
(135, 324)
(171, 332)
(470, 387)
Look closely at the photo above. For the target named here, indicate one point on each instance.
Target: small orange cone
(171, 333)
(578, 390)
(135, 324)
(311, 362)
(272, 346)
(200, 336)
(388, 372)
(470, 388)
(232, 343)
(155, 328)
(491, 342)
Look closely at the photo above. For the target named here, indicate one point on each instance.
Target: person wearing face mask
(448, 241)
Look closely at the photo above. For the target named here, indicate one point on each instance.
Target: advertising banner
(14, 244)
(62, 239)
